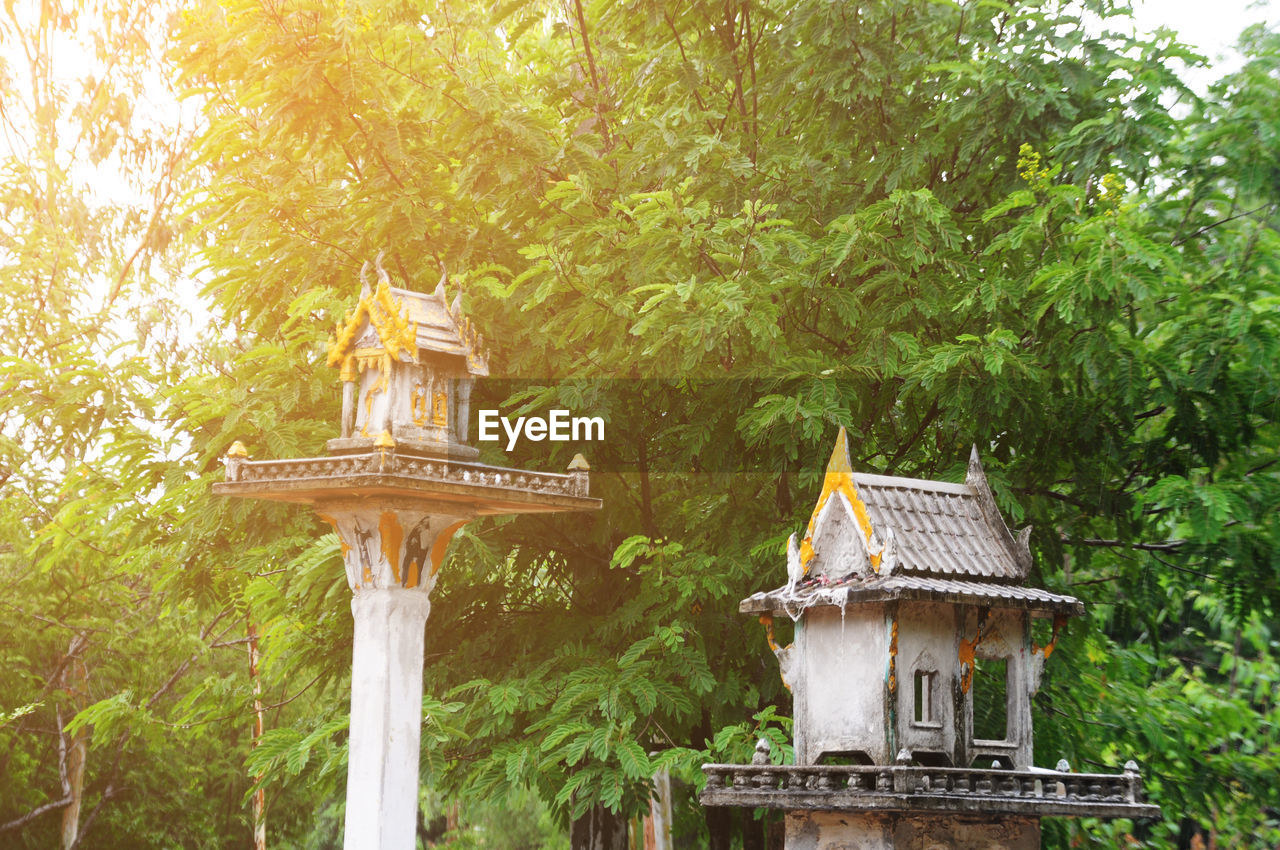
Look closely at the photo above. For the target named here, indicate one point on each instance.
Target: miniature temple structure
(396, 485)
(912, 670)
(407, 361)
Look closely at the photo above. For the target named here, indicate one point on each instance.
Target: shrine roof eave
(471, 488)
(901, 587)
(407, 325)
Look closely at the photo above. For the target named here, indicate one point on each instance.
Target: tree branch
(591, 68)
(1169, 546)
(1217, 223)
(35, 813)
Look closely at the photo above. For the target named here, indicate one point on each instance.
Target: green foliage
(516, 821)
(813, 197)
(736, 227)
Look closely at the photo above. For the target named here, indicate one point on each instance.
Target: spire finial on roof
(975, 472)
(840, 455)
(838, 483)
(976, 478)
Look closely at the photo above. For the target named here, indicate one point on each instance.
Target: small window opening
(925, 711)
(929, 759)
(845, 757)
(991, 699)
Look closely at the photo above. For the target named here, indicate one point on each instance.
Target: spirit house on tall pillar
(912, 670)
(407, 361)
(396, 486)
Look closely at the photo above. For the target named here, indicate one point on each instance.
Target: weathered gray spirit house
(913, 670)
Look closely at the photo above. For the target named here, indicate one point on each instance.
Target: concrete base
(849, 831)
(386, 718)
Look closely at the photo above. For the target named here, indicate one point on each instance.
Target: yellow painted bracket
(838, 479)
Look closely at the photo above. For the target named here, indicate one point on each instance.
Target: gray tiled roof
(942, 529)
(927, 540)
(436, 328)
(885, 588)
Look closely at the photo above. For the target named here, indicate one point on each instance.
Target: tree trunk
(599, 829)
(75, 781)
(260, 795)
(75, 682)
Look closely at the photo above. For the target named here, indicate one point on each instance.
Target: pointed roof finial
(840, 455)
(838, 480)
(1020, 546)
(975, 472)
(578, 463)
(237, 450)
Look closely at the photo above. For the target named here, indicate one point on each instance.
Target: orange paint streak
(806, 553)
(767, 620)
(441, 544)
(968, 651)
(346, 547)
(893, 658)
(1059, 620)
(392, 536)
(414, 575)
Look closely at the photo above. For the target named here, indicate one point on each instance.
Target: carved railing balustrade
(781, 786)
(419, 468)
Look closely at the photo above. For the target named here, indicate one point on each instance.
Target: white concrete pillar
(386, 718)
(392, 555)
(660, 812)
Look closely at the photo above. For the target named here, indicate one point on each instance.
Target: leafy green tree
(728, 228)
(812, 197)
(103, 623)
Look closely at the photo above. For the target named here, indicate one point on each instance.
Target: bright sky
(1211, 26)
